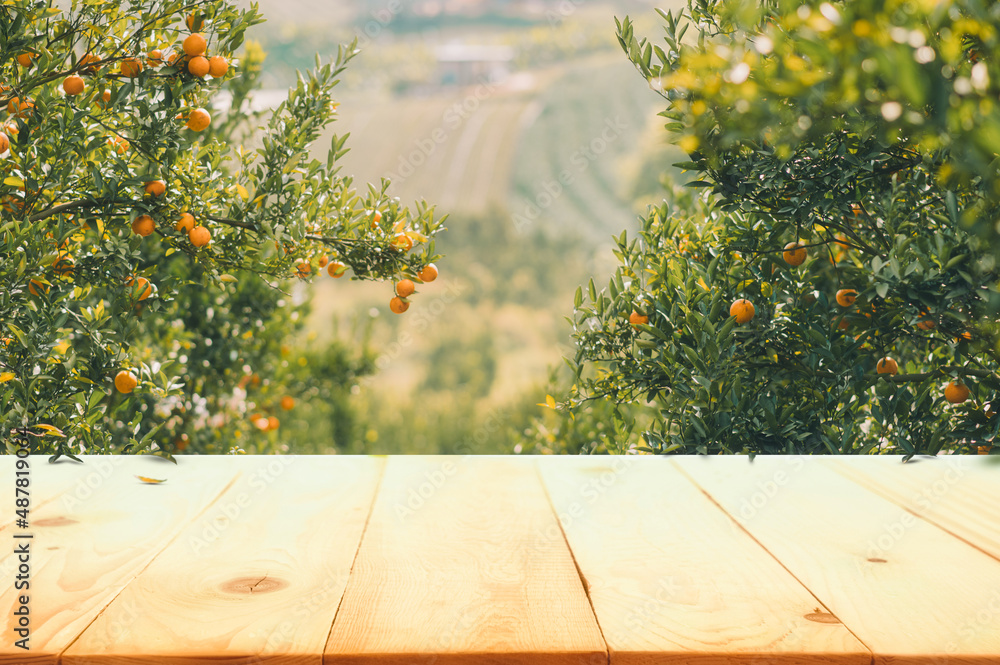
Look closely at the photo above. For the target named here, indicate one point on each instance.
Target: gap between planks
(572, 554)
(209, 504)
(871, 652)
(371, 509)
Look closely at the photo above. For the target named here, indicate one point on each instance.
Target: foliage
(74, 306)
(864, 130)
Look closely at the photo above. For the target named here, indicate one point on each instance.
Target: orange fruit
(846, 297)
(637, 319)
(25, 59)
(198, 120)
(926, 324)
(73, 85)
(37, 288)
(185, 223)
(131, 67)
(336, 269)
(742, 309)
(844, 324)
(194, 22)
(398, 305)
(842, 242)
(984, 450)
(956, 393)
(155, 57)
(20, 108)
(143, 225)
(106, 97)
(172, 58)
(794, 254)
(194, 44)
(887, 366)
(125, 382)
(87, 63)
(63, 264)
(120, 145)
(135, 284)
(405, 288)
(4, 143)
(965, 335)
(217, 66)
(199, 236)
(156, 187)
(181, 442)
(402, 242)
(272, 423)
(376, 218)
(429, 273)
(198, 65)
(303, 269)
(323, 260)
(287, 403)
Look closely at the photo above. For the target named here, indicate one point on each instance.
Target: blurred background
(523, 121)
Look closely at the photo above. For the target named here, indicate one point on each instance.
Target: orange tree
(154, 228)
(830, 283)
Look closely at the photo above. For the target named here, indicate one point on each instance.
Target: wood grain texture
(85, 551)
(910, 592)
(673, 581)
(959, 493)
(256, 579)
(463, 562)
(65, 481)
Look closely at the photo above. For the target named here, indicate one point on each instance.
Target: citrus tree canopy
(829, 283)
(152, 225)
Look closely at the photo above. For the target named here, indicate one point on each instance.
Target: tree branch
(63, 207)
(941, 371)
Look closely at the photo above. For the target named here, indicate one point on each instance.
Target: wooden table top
(502, 560)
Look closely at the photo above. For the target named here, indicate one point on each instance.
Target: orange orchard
(97, 94)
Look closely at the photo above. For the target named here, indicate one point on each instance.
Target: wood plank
(84, 552)
(256, 579)
(64, 480)
(673, 581)
(912, 593)
(456, 567)
(958, 493)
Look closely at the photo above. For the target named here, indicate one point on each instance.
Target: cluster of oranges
(144, 225)
(403, 289)
(192, 58)
(795, 254)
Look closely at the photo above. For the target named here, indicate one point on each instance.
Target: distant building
(468, 64)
